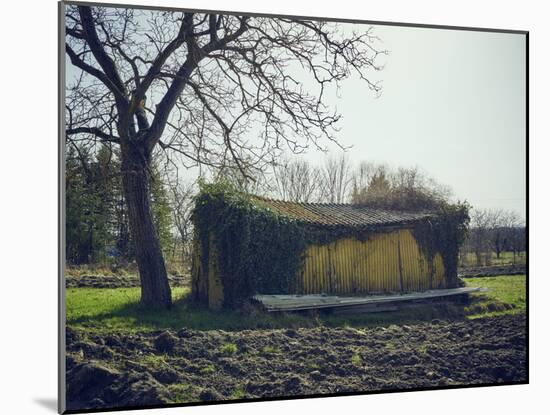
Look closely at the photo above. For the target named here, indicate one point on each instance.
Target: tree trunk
(479, 261)
(155, 290)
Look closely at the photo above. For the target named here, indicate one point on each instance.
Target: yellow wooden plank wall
(386, 262)
(439, 274)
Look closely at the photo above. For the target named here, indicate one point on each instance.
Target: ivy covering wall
(260, 250)
(444, 234)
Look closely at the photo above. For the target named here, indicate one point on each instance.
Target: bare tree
(479, 238)
(296, 180)
(182, 202)
(483, 223)
(336, 179)
(200, 86)
(363, 175)
(495, 230)
(372, 185)
(252, 182)
(514, 236)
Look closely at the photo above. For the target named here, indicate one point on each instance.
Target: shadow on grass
(186, 314)
(99, 309)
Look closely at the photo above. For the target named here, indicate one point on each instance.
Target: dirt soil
(118, 281)
(117, 370)
(492, 270)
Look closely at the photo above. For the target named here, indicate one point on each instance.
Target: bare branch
(99, 53)
(94, 131)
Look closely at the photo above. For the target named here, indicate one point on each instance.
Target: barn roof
(333, 214)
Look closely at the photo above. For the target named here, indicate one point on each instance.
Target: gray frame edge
(61, 324)
(276, 15)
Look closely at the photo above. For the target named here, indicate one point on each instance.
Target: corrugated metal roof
(333, 214)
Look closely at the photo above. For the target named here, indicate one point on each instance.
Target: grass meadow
(108, 309)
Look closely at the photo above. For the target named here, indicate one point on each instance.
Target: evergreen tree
(162, 214)
(96, 215)
(82, 204)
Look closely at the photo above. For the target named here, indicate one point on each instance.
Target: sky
(452, 104)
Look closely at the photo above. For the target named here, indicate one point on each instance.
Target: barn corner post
(206, 269)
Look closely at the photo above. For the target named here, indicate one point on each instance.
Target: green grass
(154, 361)
(229, 349)
(313, 366)
(356, 360)
(207, 370)
(108, 309)
(506, 295)
(270, 350)
(118, 309)
(181, 393)
(238, 393)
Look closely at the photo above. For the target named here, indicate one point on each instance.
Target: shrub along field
(120, 354)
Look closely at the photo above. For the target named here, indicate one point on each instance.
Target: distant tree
(80, 205)
(90, 203)
(479, 233)
(296, 180)
(182, 202)
(336, 179)
(377, 192)
(402, 189)
(193, 85)
(363, 175)
(252, 181)
(97, 219)
(486, 234)
(495, 230)
(123, 240)
(514, 233)
(108, 187)
(517, 241)
(162, 214)
(418, 190)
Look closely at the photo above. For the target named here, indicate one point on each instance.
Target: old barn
(249, 245)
